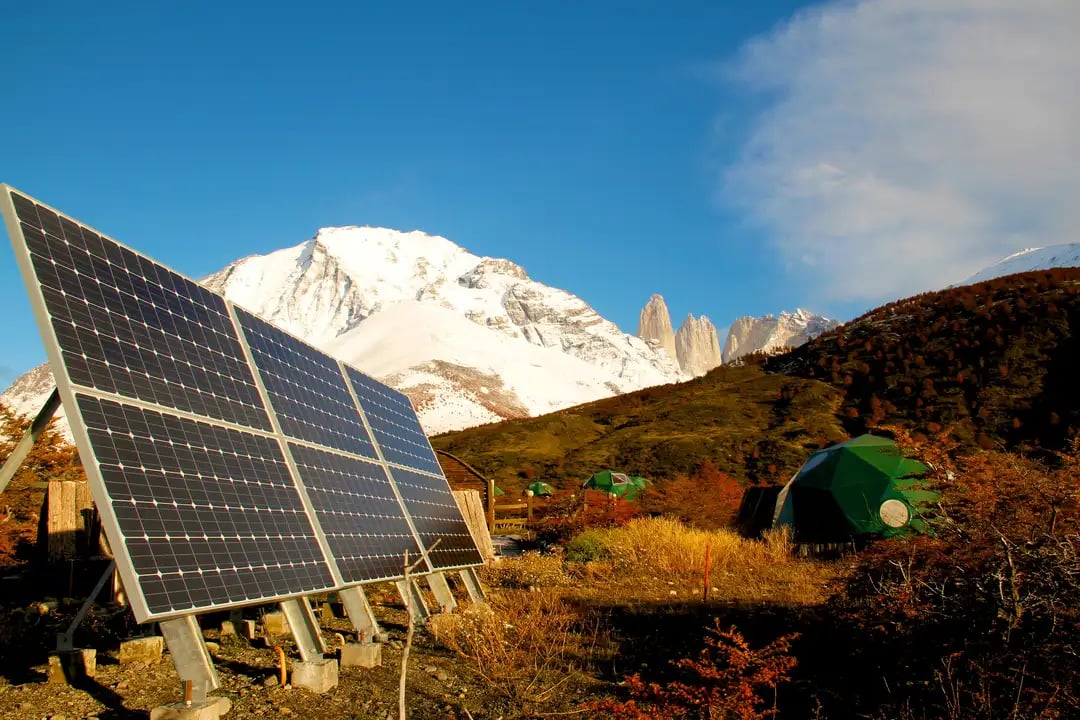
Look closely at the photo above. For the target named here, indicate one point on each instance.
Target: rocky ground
(441, 684)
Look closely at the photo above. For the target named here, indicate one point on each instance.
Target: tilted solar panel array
(421, 482)
(232, 463)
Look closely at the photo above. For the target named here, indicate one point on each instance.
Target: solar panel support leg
(26, 443)
(472, 584)
(305, 628)
(359, 610)
(66, 641)
(441, 589)
(413, 599)
(190, 656)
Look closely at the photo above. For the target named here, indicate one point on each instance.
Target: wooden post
(63, 520)
(491, 505)
(529, 507)
(705, 591)
(84, 518)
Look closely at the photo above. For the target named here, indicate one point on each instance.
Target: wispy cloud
(900, 145)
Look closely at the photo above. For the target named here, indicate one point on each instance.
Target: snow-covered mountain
(771, 332)
(1030, 259)
(470, 339)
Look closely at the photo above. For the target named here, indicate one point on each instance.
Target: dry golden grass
(653, 558)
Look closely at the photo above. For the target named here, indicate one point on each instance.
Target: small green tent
(618, 484)
(856, 488)
(541, 489)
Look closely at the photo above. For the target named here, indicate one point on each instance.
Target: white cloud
(903, 144)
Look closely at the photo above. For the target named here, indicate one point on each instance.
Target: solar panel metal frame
(66, 389)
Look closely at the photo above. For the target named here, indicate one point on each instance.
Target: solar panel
(306, 389)
(359, 513)
(232, 463)
(435, 515)
(394, 423)
(129, 327)
(208, 514)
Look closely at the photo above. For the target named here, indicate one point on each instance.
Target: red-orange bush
(728, 681)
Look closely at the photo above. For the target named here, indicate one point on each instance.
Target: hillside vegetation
(996, 362)
(993, 363)
(751, 425)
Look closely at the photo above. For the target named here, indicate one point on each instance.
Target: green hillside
(750, 424)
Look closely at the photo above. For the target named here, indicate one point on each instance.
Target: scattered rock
(271, 681)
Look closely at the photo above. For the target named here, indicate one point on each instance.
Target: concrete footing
(145, 650)
(318, 676)
(212, 709)
(364, 655)
(247, 629)
(275, 624)
(71, 666)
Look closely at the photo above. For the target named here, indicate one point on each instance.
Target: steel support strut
(440, 588)
(413, 599)
(189, 654)
(26, 443)
(472, 584)
(359, 611)
(304, 627)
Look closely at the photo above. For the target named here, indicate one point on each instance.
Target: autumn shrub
(588, 546)
(729, 680)
(982, 618)
(706, 498)
(524, 644)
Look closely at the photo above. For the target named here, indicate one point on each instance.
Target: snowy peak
(771, 333)
(451, 328)
(1030, 259)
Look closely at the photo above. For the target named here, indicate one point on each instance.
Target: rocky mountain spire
(654, 326)
(697, 345)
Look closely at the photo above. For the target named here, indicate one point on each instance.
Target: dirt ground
(441, 684)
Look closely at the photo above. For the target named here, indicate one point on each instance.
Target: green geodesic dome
(541, 489)
(861, 487)
(627, 487)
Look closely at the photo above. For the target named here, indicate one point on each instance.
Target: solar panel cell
(436, 516)
(394, 424)
(208, 514)
(359, 513)
(306, 389)
(127, 327)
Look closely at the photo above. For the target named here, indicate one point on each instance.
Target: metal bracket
(359, 611)
(441, 589)
(472, 584)
(26, 443)
(66, 641)
(304, 627)
(190, 656)
(413, 599)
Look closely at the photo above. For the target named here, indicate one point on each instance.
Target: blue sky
(730, 156)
